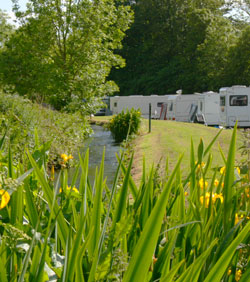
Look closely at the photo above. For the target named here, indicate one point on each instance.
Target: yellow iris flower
(66, 157)
(5, 197)
(68, 188)
(222, 170)
(238, 275)
(203, 184)
(215, 196)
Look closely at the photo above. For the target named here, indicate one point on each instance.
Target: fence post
(149, 118)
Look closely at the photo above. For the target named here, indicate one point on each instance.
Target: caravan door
(223, 109)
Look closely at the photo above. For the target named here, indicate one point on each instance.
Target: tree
(63, 50)
(237, 70)
(165, 46)
(5, 28)
(213, 54)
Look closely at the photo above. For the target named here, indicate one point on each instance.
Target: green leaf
(3, 273)
(200, 151)
(171, 274)
(143, 252)
(193, 271)
(96, 211)
(212, 142)
(218, 270)
(3, 139)
(228, 190)
(62, 226)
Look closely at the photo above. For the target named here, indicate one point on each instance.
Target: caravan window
(238, 100)
(159, 104)
(222, 100)
(171, 106)
(115, 104)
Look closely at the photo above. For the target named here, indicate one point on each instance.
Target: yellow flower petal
(5, 197)
(203, 184)
(222, 170)
(238, 170)
(216, 182)
(64, 157)
(238, 275)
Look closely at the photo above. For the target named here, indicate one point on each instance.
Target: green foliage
(125, 124)
(237, 71)
(5, 28)
(63, 50)
(169, 231)
(175, 45)
(23, 121)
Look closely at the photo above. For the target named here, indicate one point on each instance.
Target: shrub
(124, 124)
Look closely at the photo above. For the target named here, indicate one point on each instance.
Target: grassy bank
(24, 121)
(169, 139)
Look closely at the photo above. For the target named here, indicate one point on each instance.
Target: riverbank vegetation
(24, 122)
(195, 227)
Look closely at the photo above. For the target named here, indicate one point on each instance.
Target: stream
(96, 142)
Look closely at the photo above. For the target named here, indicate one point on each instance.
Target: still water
(96, 142)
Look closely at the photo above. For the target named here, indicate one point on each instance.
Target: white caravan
(235, 106)
(185, 107)
(122, 103)
(181, 107)
(168, 108)
(208, 110)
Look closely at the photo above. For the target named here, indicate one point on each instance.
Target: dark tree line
(192, 45)
(71, 53)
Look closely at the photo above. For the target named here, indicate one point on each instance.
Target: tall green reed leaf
(121, 204)
(147, 199)
(142, 255)
(96, 211)
(3, 273)
(212, 143)
(11, 173)
(193, 271)
(62, 226)
(3, 139)
(218, 270)
(132, 184)
(170, 276)
(228, 190)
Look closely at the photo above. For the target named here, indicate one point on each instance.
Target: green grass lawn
(169, 139)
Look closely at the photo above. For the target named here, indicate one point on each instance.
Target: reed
(177, 228)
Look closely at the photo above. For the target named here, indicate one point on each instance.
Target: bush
(125, 124)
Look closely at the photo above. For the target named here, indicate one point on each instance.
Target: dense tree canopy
(63, 50)
(176, 44)
(5, 28)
